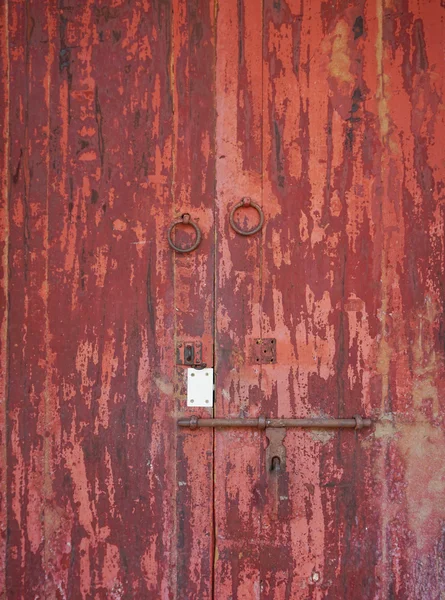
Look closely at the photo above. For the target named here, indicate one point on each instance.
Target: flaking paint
(118, 118)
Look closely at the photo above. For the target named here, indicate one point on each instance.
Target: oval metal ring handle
(246, 202)
(184, 220)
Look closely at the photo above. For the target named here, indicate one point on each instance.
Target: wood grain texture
(4, 274)
(193, 192)
(96, 139)
(350, 270)
(238, 295)
(119, 117)
(27, 304)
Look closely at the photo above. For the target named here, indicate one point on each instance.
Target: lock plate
(276, 450)
(200, 387)
(189, 353)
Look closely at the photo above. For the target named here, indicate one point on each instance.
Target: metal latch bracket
(189, 354)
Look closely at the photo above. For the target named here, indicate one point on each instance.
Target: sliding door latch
(275, 429)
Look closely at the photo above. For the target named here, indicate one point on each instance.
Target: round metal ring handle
(245, 202)
(184, 220)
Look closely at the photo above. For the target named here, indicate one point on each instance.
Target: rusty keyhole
(276, 464)
(189, 354)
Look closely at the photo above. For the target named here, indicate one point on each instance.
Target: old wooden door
(118, 118)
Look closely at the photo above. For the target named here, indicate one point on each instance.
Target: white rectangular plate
(200, 387)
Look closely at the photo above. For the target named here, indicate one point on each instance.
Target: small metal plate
(200, 387)
(189, 353)
(264, 351)
(276, 450)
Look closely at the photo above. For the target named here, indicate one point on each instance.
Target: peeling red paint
(350, 276)
(118, 118)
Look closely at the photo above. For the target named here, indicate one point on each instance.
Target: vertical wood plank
(4, 276)
(27, 318)
(327, 326)
(410, 359)
(296, 286)
(238, 296)
(193, 93)
(110, 517)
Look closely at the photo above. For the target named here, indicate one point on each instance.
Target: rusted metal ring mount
(245, 202)
(184, 220)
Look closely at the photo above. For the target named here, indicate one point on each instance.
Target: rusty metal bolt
(193, 422)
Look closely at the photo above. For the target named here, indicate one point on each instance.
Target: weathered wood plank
(4, 279)
(409, 62)
(111, 310)
(27, 331)
(238, 296)
(193, 94)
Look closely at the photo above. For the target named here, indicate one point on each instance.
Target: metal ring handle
(184, 220)
(246, 202)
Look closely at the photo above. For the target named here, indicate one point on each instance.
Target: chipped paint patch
(340, 60)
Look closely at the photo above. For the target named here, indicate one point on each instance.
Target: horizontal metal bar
(262, 422)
